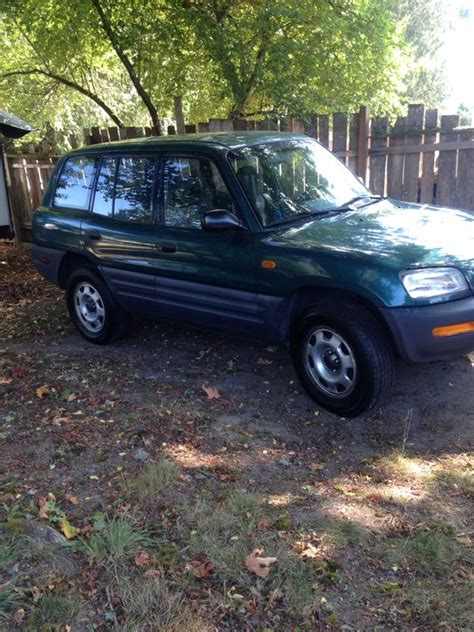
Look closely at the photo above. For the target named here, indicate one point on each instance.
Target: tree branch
(70, 84)
(145, 97)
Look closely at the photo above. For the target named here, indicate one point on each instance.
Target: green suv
(266, 235)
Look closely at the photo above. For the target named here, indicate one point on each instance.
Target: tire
(343, 357)
(93, 310)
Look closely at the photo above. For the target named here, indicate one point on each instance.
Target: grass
(152, 486)
(150, 604)
(54, 611)
(453, 481)
(116, 540)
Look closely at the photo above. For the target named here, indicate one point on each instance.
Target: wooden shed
(10, 127)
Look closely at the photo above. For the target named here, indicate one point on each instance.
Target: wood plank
(363, 157)
(395, 162)
(95, 135)
(311, 126)
(323, 127)
(411, 172)
(378, 164)
(428, 159)
(203, 127)
(104, 135)
(298, 126)
(339, 133)
(353, 141)
(114, 133)
(190, 128)
(464, 198)
(215, 125)
(447, 163)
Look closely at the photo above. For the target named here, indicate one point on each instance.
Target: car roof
(219, 140)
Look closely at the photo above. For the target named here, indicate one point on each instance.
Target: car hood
(400, 234)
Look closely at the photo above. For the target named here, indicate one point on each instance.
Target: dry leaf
(211, 392)
(309, 551)
(58, 420)
(264, 361)
(201, 569)
(315, 467)
(68, 529)
(19, 616)
(42, 391)
(74, 500)
(142, 559)
(152, 572)
(259, 565)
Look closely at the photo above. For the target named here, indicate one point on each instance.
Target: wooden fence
(420, 158)
(28, 177)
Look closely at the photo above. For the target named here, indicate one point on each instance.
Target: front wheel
(94, 312)
(343, 357)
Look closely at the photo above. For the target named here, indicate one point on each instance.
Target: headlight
(430, 282)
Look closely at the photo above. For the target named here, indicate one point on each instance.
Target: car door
(120, 232)
(203, 277)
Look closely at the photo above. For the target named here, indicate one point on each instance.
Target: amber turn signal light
(453, 330)
(269, 265)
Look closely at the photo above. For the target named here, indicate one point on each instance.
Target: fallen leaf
(315, 467)
(68, 529)
(264, 361)
(201, 569)
(19, 616)
(259, 565)
(309, 551)
(74, 500)
(42, 391)
(142, 559)
(211, 392)
(59, 421)
(152, 572)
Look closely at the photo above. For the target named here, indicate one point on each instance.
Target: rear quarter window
(75, 182)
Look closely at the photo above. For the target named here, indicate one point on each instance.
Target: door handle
(168, 248)
(94, 236)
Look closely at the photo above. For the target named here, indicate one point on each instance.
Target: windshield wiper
(349, 206)
(286, 220)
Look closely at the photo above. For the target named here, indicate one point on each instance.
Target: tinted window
(104, 193)
(75, 182)
(134, 189)
(191, 187)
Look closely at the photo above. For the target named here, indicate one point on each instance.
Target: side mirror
(221, 220)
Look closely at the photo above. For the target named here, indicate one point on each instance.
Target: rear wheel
(93, 310)
(343, 357)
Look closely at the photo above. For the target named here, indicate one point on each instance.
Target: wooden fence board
(353, 141)
(311, 126)
(378, 164)
(396, 162)
(465, 175)
(428, 159)
(339, 134)
(411, 169)
(323, 126)
(447, 163)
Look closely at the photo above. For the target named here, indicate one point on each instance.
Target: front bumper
(412, 327)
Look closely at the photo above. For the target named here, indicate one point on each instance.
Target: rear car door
(120, 232)
(204, 277)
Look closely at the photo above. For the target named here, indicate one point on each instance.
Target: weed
(117, 540)
(457, 482)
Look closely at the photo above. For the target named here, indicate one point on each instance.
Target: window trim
(117, 156)
(167, 154)
(86, 208)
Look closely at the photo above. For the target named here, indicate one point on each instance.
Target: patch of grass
(52, 612)
(116, 540)
(152, 484)
(150, 604)
(398, 463)
(8, 599)
(341, 533)
(427, 551)
(226, 533)
(453, 481)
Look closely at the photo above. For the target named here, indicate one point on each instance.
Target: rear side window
(75, 182)
(125, 188)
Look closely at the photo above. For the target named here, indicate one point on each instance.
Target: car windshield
(293, 179)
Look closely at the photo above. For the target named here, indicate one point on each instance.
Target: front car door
(203, 277)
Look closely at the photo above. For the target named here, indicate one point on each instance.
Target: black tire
(343, 357)
(112, 322)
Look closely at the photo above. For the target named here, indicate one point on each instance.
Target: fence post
(178, 114)
(363, 155)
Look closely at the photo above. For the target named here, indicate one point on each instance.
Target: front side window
(75, 183)
(125, 188)
(292, 179)
(192, 186)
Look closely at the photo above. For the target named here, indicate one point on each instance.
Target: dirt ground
(168, 457)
